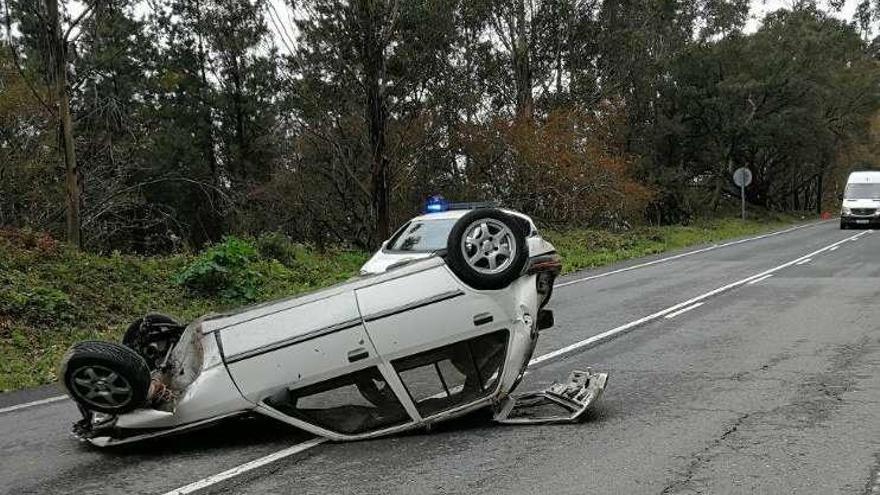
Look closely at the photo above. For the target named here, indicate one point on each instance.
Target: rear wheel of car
(105, 377)
(487, 249)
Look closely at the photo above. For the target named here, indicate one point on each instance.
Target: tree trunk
(373, 57)
(65, 122)
(522, 67)
(716, 194)
(237, 102)
(214, 230)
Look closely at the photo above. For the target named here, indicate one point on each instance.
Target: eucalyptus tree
(46, 38)
(366, 77)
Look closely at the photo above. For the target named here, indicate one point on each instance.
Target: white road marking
(609, 334)
(26, 405)
(753, 282)
(682, 255)
(685, 310)
(248, 466)
(834, 248)
(804, 262)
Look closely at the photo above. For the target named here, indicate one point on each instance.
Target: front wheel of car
(487, 249)
(105, 377)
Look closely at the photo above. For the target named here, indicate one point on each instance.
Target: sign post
(742, 177)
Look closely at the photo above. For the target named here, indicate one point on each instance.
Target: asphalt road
(765, 387)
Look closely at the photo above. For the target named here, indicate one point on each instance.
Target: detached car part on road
(427, 341)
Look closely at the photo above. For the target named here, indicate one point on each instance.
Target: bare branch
(82, 15)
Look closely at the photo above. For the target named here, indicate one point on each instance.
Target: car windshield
(862, 191)
(422, 236)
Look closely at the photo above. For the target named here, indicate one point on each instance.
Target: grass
(52, 296)
(587, 248)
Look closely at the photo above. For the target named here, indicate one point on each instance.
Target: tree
(52, 34)
(367, 70)
(782, 102)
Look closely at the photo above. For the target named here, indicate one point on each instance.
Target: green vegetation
(583, 248)
(52, 295)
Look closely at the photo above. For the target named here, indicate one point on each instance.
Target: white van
(861, 200)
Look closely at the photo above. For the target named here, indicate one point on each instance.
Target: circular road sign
(742, 177)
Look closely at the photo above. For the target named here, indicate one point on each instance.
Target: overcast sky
(762, 7)
(758, 10)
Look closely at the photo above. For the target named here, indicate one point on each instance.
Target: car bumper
(860, 220)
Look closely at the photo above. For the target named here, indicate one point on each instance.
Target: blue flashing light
(436, 204)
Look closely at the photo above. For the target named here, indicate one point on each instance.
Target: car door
(296, 344)
(312, 364)
(447, 343)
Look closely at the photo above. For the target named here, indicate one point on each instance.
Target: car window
(422, 236)
(360, 402)
(450, 376)
(863, 191)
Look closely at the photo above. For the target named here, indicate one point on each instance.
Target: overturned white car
(426, 341)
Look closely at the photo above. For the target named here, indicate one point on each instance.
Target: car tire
(843, 225)
(105, 377)
(135, 338)
(503, 239)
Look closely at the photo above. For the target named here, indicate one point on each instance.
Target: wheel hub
(489, 246)
(100, 386)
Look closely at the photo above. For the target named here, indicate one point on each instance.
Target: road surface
(748, 368)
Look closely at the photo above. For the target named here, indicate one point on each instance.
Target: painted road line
(758, 280)
(26, 405)
(614, 332)
(834, 248)
(682, 255)
(248, 466)
(804, 262)
(685, 310)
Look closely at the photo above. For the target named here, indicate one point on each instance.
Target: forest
(158, 126)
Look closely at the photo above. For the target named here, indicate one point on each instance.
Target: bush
(276, 246)
(40, 305)
(40, 242)
(224, 270)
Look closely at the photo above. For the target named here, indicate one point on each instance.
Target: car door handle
(482, 319)
(358, 354)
